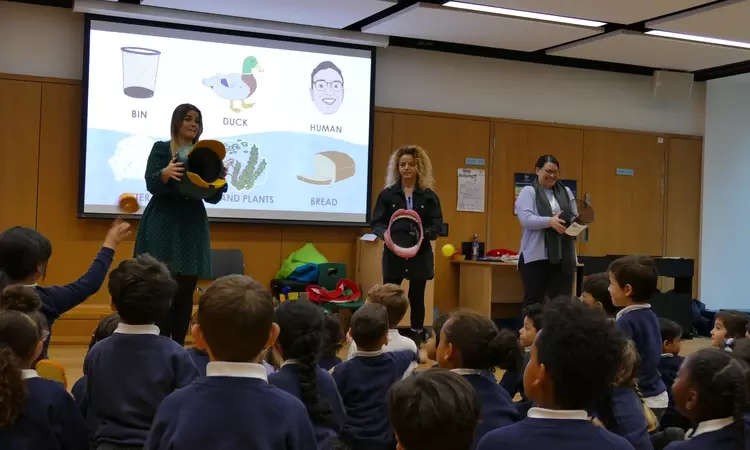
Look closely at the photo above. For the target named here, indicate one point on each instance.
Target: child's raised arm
(57, 300)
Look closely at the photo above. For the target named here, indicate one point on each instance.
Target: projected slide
(294, 117)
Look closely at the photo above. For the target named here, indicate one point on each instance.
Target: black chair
(226, 262)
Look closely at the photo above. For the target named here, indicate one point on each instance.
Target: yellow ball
(448, 250)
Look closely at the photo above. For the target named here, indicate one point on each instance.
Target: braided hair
(301, 325)
(721, 382)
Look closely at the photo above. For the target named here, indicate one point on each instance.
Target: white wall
(725, 246)
(48, 42)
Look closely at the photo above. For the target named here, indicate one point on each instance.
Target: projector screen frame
(88, 18)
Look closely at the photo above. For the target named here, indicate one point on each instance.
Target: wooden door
(20, 103)
(684, 176)
(623, 175)
(448, 142)
(517, 147)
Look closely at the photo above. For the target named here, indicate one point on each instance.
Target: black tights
(416, 300)
(177, 321)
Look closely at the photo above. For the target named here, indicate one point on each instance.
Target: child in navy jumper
(574, 361)
(333, 340)
(199, 354)
(393, 297)
(595, 293)
(363, 381)
(104, 329)
(24, 255)
(302, 325)
(669, 364)
(35, 414)
(436, 409)
(233, 406)
(512, 380)
(632, 282)
(432, 343)
(621, 409)
(711, 391)
(131, 372)
(472, 346)
(728, 327)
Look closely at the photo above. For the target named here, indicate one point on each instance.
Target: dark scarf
(560, 247)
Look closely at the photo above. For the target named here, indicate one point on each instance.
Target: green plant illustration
(244, 179)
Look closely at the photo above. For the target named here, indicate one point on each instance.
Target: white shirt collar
(124, 328)
(29, 373)
(393, 333)
(239, 370)
(289, 362)
(667, 355)
(368, 354)
(541, 413)
(709, 426)
(466, 371)
(630, 308)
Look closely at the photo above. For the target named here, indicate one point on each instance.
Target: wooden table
(494, 288)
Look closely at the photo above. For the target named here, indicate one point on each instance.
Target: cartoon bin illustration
(139, 69)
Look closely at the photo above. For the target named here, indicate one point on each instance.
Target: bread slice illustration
(330, 167)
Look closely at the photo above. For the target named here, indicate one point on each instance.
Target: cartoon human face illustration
(327, 87)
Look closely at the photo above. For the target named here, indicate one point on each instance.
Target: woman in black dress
(409, 185)
(174, 228)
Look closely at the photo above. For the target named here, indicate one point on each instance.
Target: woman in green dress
(174, 228)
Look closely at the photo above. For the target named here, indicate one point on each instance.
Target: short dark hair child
(728, 325)
(712, 386)
(435, 409)
(671, 336)
(532, 323)
(432, 343)
(233, 406)
(559, 376)
(632, 283)
(24, 255)
(363, 380)
(35, 413)
(131, 372)
(596, 293)
(104, 329)
(333, 340)
(512, 380)
(472, 344)
(302, 327)
(633, 279)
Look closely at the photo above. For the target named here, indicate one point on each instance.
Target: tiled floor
(71, 357)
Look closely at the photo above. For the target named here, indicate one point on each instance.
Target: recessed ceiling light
(524, 14)
(707, 40)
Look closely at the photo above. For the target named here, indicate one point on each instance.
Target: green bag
(306, 255)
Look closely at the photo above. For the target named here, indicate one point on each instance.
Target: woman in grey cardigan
(548, 256)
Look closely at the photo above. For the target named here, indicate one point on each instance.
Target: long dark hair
(178, 115)
(722, 384)
(22, 251)
(18, 340)
(482, 345)
(300, 338)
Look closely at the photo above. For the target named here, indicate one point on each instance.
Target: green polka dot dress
(174, 228)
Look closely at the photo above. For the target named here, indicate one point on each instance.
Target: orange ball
(128, 204)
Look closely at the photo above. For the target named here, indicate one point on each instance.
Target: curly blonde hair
(422, 161)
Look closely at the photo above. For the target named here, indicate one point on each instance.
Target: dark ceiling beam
(389, 11)
(516, 55)
(56, 3)
(728, 70)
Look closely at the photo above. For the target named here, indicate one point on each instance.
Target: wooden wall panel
(383, 147)
(517, 148)
(20, 105)
(449, 142)
(683, 209)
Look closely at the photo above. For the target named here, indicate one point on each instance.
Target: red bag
(321, 295)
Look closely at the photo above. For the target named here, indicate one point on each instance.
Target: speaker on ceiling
(670, 85)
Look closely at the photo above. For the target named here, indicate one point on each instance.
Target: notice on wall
(470, 190)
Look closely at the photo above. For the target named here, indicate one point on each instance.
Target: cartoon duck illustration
(236, 87)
